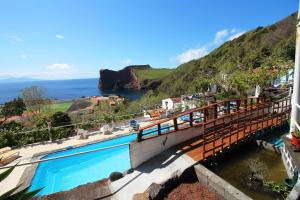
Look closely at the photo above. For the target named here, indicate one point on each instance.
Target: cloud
(60, 66)
(221, 36)
(236, 35)
(23, 56)
(191, 54)
(127, 62)
(59, 36)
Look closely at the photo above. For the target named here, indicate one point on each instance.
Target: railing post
(175, 124)
(228, 107)
(251, 103)
(159, 129)
(205, 115)
(216, 111)
(49, 131)
(246, 104)
(191, 119)
(140, 135)
(238, 104)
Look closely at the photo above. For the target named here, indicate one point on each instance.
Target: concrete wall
(218, 185)
(146, 149)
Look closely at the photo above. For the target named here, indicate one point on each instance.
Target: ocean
(64, 89)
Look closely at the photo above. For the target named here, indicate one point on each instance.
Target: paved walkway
(157, 170)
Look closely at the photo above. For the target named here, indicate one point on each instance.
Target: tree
(12, 108)
(60, 119)
(35, 98)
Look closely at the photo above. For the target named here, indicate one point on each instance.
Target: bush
(7, 138)
(61, 119)
(14, 134)
(59, 133)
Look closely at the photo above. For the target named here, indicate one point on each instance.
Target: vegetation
(12, 194)
(152, 73)
(12, 108)
(35, 99)
(278, 188)
(257, 169)
(60, 106)
(268, 48)
(15, 134)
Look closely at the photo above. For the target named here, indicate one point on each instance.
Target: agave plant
(24, 194)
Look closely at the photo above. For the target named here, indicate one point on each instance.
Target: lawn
(61, 106)
(152, 73)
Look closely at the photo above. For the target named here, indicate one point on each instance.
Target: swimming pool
(67, 173)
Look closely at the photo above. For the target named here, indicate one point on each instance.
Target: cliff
(122, 79)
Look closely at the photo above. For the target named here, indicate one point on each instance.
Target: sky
(70, 39)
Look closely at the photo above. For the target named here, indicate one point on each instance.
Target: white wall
(142, 151)
(170, 104)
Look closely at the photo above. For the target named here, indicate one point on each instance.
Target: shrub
(60, 119)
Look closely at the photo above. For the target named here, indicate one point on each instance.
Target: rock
(129, 171)
(115, 176)
(141, 196)
(122, 79)
(154, 190)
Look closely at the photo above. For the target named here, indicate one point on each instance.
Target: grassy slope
(152, 73)
(264, 46)
(62, 106)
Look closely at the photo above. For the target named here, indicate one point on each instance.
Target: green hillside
(152, 73)
(262, 47)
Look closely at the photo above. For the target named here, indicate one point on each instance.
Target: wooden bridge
(220, 124)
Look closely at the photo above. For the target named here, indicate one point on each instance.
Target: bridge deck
(196, 149)
(220, 125)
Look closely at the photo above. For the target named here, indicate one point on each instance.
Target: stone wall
(218, 185)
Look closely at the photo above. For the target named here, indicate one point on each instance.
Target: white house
(171, 103)
(191, 102)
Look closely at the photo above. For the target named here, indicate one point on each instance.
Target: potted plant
(296, 138)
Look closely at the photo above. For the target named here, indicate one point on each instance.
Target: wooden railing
(219, 115)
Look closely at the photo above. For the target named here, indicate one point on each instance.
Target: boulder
(115, 176)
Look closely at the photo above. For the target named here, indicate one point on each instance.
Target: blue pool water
(187, 118)
(67, 173)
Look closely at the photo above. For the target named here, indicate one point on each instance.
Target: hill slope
(265, 46)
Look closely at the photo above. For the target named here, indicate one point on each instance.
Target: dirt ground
(191, 191)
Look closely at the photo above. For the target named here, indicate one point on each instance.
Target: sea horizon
(66, 89)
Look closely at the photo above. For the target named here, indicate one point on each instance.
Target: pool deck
(160, 169)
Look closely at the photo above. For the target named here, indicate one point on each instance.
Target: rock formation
(122, 79)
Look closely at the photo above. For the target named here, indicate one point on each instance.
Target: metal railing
(207, 115)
